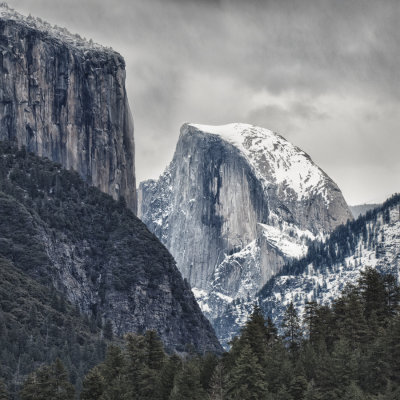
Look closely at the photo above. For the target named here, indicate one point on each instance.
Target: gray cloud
(324, 73)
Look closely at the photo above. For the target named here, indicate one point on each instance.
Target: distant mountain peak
(234, 205)
(274, 159)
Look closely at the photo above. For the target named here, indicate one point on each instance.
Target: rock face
(65, 99)
(372, 241)
(235, 204)
(63, 233)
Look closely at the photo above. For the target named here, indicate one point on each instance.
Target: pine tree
(3, 391)
(48, 382)
(113, 371)
(310, 320)
(312, 393)
(218, 384)
(149, 384)
(392, 342)
(145, 360)
(373, 292)
(283, 394)
(292, 329)
(298, 387)
(279, 370)
(136, 369)
(324, 377)
(247, 380)
(167, 375)
(392, 294)
(156, 354)
(375, 367)
(309, 359)
(271, 331)
(208, 363)
(353, 392)
(187, 383)
(257, 335)
(93, 385)
(350, 321)
(344, 366)
(392, 392)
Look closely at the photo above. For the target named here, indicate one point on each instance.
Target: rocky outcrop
(93, 249)
(235, 204)
(65, 99)
(371, 241)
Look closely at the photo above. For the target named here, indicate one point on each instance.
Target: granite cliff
(234, 205)
(64, 98)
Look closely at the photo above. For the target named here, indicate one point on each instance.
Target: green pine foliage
(246, 380)
(342, 352)
(93, 385)
(292, 331)
(37, 325)
(3, 391)
(48, 382)
(187, 383)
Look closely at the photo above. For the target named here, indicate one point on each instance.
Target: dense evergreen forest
(347, 351)
(38, 325)
(65, 249)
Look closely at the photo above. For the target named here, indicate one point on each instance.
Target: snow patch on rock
(264, 148)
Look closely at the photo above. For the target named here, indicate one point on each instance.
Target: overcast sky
(325, 74)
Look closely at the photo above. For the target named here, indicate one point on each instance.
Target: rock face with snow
(373, 240)
(235, 204)
(64, 98)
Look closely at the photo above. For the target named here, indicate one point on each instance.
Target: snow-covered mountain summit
(274, 159)
(234, 205)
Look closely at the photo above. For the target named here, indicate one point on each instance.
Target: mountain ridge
(94, 250)
(372, 240)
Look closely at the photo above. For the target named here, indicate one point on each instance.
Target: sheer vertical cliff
(65, 99)
(234, 205)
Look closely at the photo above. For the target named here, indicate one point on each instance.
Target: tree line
(349, 350)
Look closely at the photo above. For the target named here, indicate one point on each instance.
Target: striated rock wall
(234, 205)
(212, 202)
(68, 102)
(199, 221)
